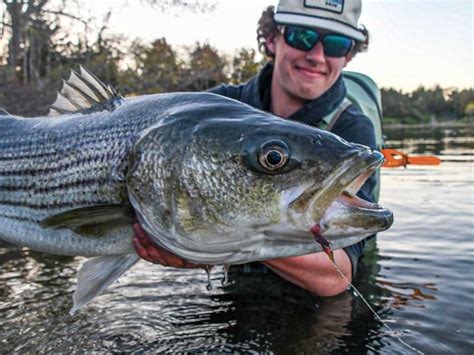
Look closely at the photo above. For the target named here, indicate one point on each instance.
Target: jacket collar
(312, 112)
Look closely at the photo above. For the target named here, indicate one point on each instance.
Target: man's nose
(316, 54)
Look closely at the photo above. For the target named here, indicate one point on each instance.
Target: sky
(413, 42)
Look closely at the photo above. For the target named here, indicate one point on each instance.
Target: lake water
(418, 276)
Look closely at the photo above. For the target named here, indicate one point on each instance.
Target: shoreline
(429, 124)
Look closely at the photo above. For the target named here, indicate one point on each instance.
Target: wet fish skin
(192, 168)
(220, 203)
(51, 165)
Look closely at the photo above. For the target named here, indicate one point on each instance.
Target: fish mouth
(333, 204)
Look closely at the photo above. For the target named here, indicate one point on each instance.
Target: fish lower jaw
(312, 204)
(350, 215)
(327, 213)
(301, 222)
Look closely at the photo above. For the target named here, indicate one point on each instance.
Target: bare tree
(17, 20)
(192, 5)
(29, 26)
(32, 27)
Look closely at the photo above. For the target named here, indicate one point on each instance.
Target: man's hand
(147, 250)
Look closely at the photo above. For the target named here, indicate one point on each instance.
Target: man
(310, 42)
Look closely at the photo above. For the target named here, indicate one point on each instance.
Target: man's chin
(309, 92)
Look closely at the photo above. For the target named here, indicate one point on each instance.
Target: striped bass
(210, 179)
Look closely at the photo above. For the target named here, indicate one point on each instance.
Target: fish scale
(52, 164)
(40, 176)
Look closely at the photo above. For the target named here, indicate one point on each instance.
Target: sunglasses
(305, 39)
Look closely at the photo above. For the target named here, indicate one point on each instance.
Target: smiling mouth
(309, 71)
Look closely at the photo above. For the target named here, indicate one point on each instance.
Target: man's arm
(315, 272)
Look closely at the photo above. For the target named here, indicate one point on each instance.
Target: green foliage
(158, 68)
(469, 110)
(244, 66)
(425, 105)
(205, 69)
(460, 101)
(395, 103)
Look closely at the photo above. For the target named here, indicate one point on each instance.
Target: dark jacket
(352, 125)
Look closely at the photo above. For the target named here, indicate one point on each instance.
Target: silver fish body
(186, 162)
(210, 179)
(51, 165)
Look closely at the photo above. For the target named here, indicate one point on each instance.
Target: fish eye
(273, 155)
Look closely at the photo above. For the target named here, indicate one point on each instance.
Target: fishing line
(315, 230)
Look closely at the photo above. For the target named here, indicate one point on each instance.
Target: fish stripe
(12, 153)
(56, 166)
(21, 219)
(49, 205)
(64, 186)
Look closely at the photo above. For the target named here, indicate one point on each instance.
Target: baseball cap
(338, 16)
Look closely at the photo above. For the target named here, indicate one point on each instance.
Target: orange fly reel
(394, 159)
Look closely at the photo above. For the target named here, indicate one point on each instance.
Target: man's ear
(348, 58)
(270, 40)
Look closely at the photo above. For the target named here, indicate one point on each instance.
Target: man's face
(303, 75)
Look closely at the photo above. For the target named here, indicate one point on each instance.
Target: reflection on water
(402, 293)
(417, 276)
(444, 141)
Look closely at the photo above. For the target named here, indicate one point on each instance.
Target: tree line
(38, 49)
(424, 105)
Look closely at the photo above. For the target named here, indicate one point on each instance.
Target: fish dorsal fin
(53, 113)
(84, 92)
(98, 273)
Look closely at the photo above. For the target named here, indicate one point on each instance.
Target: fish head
(261, 180)
(273, 171)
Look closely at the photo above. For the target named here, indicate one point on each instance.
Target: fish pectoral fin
(90, 219)
(98, 273)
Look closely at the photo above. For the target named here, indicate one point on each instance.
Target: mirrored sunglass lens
(301, 38)
(336, 46)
